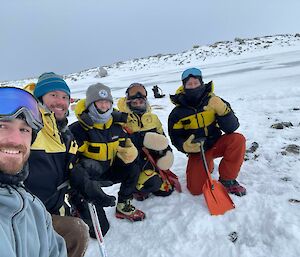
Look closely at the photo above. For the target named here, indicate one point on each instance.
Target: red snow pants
(231, 147)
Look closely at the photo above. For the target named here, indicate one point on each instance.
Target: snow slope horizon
(205, 53)
(263, 88)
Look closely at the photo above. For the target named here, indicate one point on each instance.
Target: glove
(155, 141)
(93, 193)
(85, 177)
(165, 162)
(128, 153)
(190, 147)
(216, 105)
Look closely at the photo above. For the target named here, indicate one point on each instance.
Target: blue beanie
(48, 82)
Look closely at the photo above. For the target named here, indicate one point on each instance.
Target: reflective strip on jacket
(98, 141)
(53, 154)
(185, 120)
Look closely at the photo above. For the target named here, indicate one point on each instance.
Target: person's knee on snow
(150, 182)
(217, 127)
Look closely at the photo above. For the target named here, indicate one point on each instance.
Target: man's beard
(61, 115)
(12, 165)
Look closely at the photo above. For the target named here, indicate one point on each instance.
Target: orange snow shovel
(217, 199)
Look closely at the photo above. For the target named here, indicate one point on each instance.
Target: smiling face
(57, 102)
(103, 105)
(15, 140)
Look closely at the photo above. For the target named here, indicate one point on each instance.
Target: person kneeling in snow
(107, 155)
(199, 113)
(146, 131)
(53, 154)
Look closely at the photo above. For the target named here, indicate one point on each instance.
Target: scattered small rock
(294, 149)
(282, 125)
(102, 72)
(252, 148)
(233, 236)
(286, 179)
(294, 201)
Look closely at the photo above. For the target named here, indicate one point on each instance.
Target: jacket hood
(179, 99)
(50, 124)
(29, 87)
(82, 115)
(80, 108)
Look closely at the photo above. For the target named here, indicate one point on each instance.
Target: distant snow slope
(198, 53)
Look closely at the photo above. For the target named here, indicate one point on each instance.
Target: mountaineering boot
(233, 187)
(125, 210)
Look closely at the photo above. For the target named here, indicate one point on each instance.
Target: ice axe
(217, 199)
(97, 229)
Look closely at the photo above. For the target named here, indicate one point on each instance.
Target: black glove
(85, 177)
(93, 193)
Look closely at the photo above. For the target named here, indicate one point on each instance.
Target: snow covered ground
(263, 88)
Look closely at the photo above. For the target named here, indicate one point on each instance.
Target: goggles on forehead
(191, 72)
(16, 101)
(136, 90)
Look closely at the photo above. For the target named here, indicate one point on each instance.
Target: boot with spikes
(125, 210)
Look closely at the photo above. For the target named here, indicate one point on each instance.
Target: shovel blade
(217, 199)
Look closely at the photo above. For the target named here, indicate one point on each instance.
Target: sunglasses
(15, 101)
(191, 72)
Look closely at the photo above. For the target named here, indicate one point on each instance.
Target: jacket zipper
(18, 211)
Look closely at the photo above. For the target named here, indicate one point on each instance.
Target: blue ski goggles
(191, 72)
(16, 101)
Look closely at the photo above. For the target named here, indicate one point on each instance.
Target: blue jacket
(26, 227)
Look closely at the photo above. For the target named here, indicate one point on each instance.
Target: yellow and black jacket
(138, 125)
(52, 156)
(185, 120)
(98, 141)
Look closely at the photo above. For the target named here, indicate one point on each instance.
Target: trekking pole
(97, 229)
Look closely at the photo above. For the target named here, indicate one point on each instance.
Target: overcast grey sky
(66, 36)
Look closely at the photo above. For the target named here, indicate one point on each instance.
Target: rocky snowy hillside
(198, 53)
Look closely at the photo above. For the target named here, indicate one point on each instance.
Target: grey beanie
(97, 92)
